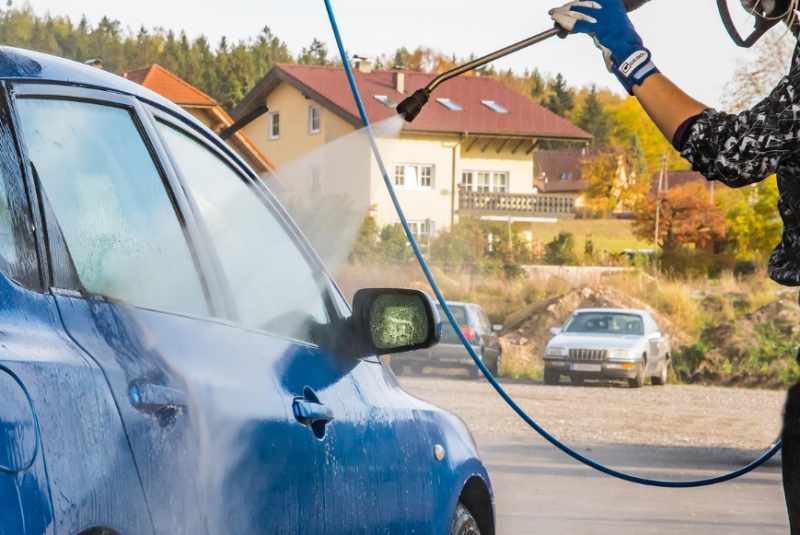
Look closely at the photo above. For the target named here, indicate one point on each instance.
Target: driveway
(651, 432)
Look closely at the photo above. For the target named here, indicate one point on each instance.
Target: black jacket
(743, 149)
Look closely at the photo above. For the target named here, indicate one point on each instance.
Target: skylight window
(449, 104)
(494, 106)
(386, 101)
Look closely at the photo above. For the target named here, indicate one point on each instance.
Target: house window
(413, 176)
(494, 106)
(468, 180)
(314, 119)
(485, 181)
(449, 104)
(422, 229)
(274, 125)
(386, 101)
(566, 176)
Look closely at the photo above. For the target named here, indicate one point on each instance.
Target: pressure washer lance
(412, 105)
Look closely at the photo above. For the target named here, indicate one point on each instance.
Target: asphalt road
(539, 490)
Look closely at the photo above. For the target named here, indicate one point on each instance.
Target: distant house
(560, 172)
(468, 152)
(202, 107)
(674, 179)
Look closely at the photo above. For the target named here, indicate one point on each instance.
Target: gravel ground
(672, 415)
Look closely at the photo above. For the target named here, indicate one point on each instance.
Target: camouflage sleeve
(746, 148)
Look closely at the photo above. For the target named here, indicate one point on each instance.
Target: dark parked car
(450, 353)
(174, 358)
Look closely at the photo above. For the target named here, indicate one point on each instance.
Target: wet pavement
(539, 490)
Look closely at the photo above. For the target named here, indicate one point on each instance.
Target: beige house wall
(336, 164)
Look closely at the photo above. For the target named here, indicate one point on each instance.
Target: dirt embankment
(527, 331)
(754, 350)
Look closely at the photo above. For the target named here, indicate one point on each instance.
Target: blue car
(174, 358)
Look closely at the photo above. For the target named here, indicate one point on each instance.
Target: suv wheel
(661, 378)
(638, 381)
(463, 522)
(551, 377)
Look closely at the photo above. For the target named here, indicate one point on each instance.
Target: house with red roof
(202, 107)
(470, 151)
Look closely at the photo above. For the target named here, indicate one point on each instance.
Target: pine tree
(593, 119)
(316, 54)
(562, 99)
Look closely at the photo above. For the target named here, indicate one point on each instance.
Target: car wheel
(638, 381)
(661, 379)
(551, 378)
(463, 522)
(494, 368)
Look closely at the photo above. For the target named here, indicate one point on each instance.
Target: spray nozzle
(412, 105)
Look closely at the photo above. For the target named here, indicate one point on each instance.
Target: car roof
(613, 311)
(17, 64)
(459, 304)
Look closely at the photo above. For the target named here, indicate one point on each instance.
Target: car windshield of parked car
(459, 312)
(605, 323)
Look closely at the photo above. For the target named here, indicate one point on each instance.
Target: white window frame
(271, 125)
(401, 179)
(420, 228)
(311, 110)
(494, 185)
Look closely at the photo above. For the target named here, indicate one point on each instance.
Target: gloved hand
(607, 22)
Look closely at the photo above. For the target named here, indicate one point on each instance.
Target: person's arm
(666, 104)
(736, 149)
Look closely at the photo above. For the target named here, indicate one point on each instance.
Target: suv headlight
(557, 352)
(620, 354)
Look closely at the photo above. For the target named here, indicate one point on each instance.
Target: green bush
(561, 251)
(744, 268)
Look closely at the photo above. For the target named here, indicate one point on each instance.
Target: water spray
(630, 5)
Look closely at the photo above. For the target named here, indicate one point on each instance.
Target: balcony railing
(515, 204)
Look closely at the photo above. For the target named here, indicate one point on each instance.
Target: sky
(688, 41)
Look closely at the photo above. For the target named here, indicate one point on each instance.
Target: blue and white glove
(607, 22)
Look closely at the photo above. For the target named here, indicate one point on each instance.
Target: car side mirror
(497, 328)
(390, 321)
(555, 331)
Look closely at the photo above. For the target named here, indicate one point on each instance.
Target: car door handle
(154, 399)
(309, 411)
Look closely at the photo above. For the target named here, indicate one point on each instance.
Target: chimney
(363, 64)
(399, 81)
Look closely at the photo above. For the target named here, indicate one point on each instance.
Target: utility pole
(663, 178)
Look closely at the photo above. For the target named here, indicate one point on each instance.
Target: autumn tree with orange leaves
(687, 217)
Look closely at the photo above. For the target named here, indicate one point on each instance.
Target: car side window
(274, 287)
(100, 182)
(18, 257)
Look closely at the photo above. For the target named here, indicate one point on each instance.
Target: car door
(136, 290)
(364, 437)
(656, 344)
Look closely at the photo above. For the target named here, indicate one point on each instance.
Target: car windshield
(604, 322)
(459, 312)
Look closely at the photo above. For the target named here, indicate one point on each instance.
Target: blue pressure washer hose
(500, 390)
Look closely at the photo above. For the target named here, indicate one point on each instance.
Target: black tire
(638, 381)
(463, 522)
(494, 367)
(551, 378)
(662, 378)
